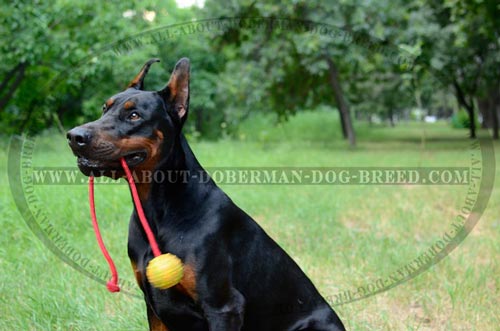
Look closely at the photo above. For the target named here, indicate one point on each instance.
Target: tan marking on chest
(137, 274)
(156, 325)
(187, 285)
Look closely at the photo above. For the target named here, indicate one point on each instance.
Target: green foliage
(461, 120)
(59, 44)
(391, 57)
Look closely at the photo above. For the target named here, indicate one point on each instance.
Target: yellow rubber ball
(165, 271)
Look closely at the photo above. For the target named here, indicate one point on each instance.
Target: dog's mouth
(109, 167)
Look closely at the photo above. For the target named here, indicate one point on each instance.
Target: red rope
(112, 285)
(140, 211)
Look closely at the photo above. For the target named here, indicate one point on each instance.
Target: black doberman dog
(235, 276)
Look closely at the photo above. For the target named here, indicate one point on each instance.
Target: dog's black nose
(78, 137)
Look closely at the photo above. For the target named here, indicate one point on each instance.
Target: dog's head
(135, 124)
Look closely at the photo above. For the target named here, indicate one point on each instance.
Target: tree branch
(13, 87)
(8, 76)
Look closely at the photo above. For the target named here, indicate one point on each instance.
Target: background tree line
(57, 67)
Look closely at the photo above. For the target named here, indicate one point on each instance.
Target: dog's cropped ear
(138, 81)
(176, 93)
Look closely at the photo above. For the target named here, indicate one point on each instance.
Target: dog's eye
(133, 116)
(104, 107)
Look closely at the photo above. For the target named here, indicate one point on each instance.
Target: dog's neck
(177, 183)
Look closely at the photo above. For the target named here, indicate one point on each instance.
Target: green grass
(342, 236)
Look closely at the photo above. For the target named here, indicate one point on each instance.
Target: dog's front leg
(225, 313)
(223, 305)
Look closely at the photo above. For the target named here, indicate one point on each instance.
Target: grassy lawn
(343, 236)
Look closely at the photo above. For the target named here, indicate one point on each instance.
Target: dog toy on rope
(164, 270)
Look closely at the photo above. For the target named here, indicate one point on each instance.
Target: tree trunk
(489, 106)
(342, 125)
(390, 114)
(495, 109)
(469, 107)
(345, 116)
(484, 106)
(494, 114)
(13, 87)
(198, 124)
(8, 76)
(472, 127)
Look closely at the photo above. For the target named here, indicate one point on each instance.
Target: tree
(463, 52)
(44, 41)
(300, 69)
